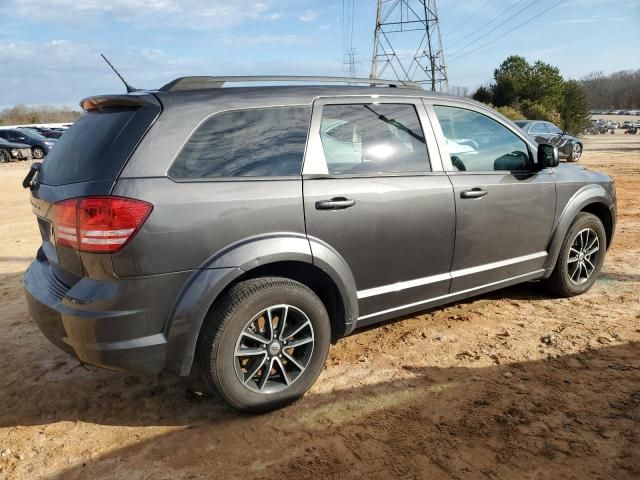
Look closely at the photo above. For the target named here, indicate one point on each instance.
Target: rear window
(97, 146)
(261, 142)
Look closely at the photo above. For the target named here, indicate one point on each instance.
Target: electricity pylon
(401, 26)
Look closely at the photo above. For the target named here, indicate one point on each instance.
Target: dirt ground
(511, 385)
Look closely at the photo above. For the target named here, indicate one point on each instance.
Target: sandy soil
(512, 385)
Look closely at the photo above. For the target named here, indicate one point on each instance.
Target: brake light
(98, 224)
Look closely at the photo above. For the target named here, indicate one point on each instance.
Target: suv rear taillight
(98, 224)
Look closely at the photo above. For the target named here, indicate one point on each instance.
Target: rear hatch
(86, 162)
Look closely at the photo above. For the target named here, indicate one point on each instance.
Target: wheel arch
(287, 255)
(594, 199)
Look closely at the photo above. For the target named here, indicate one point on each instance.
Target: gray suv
(242, 230)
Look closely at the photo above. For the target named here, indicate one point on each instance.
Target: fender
(227, 265)
(587, 195)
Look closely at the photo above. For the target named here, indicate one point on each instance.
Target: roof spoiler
(204, 82)
(117, 101)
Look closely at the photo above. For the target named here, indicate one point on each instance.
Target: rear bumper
(119, 324)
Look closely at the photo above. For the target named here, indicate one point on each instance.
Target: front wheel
(264, 343)
(576, 153)
(4, 156)
(38, 153)
(581, 257)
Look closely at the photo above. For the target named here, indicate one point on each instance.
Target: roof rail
(202, 82)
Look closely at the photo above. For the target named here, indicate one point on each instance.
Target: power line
(464, 22)
(501, 14)
(349, 53)
(531, 4)
(510, 31)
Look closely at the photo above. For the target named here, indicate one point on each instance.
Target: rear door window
(260, 142)
(373, 138)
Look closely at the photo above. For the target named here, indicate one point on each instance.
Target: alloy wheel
(583, 256)
(38, 153)
(576, 152)
(274, 349)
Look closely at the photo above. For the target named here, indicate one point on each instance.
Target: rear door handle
(473, 193)
(337, 203)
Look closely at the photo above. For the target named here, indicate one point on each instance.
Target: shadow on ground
(576, 416)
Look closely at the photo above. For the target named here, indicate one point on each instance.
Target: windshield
(31, 134)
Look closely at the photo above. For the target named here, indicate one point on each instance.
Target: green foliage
(536, 91)
(574, 108)
(537, 111)
(483, 94)
(546, 85)
(511, 113)
(512, 80)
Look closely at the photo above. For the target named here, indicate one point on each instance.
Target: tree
(620, 90)
(483, 94)
(574, 110)
(512, 79)
(545, 85)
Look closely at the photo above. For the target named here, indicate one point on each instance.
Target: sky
(49, 49)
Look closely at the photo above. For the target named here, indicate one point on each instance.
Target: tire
(227, 333)
(565, 280)
(38, 153)
(5, 156)
(576, 153)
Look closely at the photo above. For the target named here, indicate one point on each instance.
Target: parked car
(40, 146)
(614, 125)
(244, 229)
(627, 124)
(51, 134)
(570, 147)
(637, 124)
(13, 151)
(46, 132)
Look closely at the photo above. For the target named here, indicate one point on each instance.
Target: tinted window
(246, 143)
(538, 127)
(97, 146)
(373, 138)
(478, 143)
(33, 134)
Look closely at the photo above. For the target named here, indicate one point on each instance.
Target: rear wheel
(4, 156)
(264, 343)
(38, 153)
(581, 257)
(576, 153)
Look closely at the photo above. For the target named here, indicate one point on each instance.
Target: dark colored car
(13, 151)
(570, 147)
(244, 229)
(40, 146)
(47, 132)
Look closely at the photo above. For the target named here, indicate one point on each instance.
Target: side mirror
(548, 156)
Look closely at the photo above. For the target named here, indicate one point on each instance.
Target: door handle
(337, 203)
(473, 193)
